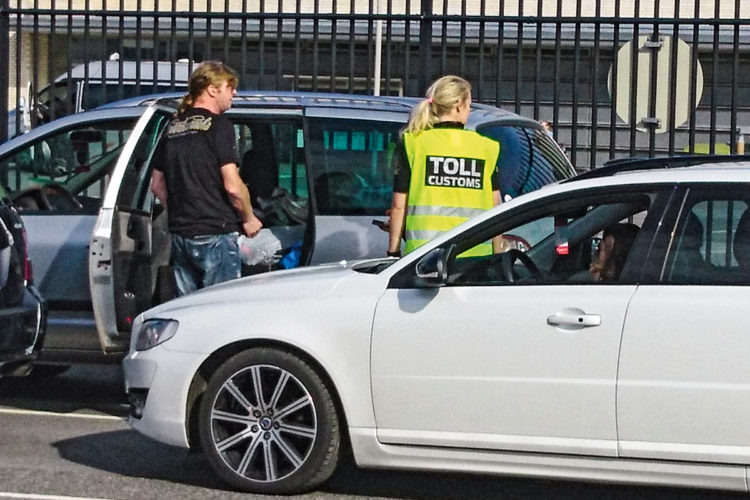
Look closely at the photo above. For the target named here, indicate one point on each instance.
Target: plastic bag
(270, 244)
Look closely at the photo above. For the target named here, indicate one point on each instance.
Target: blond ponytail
(209, 73)
(442, 96)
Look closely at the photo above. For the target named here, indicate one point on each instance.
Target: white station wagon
(513, 363)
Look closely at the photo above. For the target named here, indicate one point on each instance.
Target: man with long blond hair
(196, 173)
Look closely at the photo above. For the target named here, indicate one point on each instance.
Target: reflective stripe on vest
(451, 181)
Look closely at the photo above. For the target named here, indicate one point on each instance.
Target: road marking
(57, 414)
(30, 496)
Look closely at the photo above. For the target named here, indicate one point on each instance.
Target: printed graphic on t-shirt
(189, 125)
(448, 171)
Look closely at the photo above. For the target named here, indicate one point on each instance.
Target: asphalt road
(66, 436)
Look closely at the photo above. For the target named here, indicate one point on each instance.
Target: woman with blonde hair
(443, 174)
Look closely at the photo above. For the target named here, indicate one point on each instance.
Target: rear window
(97, 94)
(529, 158)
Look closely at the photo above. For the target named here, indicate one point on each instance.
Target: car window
(79, 160)
(350, 161)
(55, 101)
(272, 156)
(135, 192)
(529, 158)
(556, 243)
(97, 93)
(712, 240)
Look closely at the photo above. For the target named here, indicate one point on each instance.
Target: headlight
(155, 331)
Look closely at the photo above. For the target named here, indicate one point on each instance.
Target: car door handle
(573, 318)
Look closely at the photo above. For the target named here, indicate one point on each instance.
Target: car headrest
(741, 244)
(692, 234)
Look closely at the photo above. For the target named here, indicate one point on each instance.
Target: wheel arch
(215, 360)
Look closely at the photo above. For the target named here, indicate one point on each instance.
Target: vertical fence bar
(191, 36)
(173, 47)
(243, 47)
(596, 55)
(53, 110)
(103, 55)
(4, 69)
(462, 41)
(694, 76)
(35, 62)
(654, 84)
(635, 40)
(227, 34)
(444, 39)
(714, 79)
(480, 52)
(155, 51)
(138, 38)
(538, 61)
(121, 49)
(352, 45)
(425, 46)
(207, 52)
(733, 137)
(405, 79)
(613, 120)
(333, 38)
(297, 46)
(672, 96)
(279, 46)
(388, 45)
(21, 89)
(370, 47)
(556, 77)
(500, 54)
(575, 123)
(261, 45)
(519, 58)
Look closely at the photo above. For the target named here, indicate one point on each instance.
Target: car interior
(560, 246)
(65, 172)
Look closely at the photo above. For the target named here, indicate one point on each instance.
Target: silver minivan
(317, 164)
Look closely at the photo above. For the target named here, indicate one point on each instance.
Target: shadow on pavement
(130, 454)
(87, 388)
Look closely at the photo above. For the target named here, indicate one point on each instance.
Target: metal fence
(615, 78)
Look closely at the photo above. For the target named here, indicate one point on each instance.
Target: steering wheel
(55, 190)
(511, 256)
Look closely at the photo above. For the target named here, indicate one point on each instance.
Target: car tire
(286, 443)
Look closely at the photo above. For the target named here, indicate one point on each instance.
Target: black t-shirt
(197, 144)
(402, 169)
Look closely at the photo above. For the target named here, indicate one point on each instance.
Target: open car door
(122, 249)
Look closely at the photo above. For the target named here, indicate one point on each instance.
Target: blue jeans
(202, 261)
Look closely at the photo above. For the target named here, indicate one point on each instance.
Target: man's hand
(252, 226)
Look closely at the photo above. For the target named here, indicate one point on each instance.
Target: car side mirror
(432, 268)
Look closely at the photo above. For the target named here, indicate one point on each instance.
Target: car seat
(741, 243)
(688, 264)
(259, 169)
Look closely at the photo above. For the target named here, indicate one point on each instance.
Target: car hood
(313, 281)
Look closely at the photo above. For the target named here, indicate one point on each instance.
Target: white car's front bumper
(162, 389)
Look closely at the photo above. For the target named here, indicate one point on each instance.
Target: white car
(514, 363)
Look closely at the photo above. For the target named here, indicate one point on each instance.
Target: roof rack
(616, 166)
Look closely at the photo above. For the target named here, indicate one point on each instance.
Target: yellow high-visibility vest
(451, 181)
